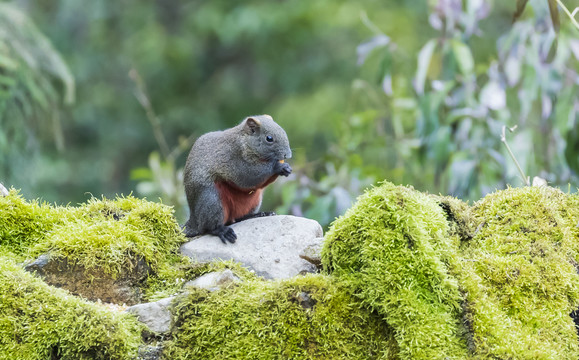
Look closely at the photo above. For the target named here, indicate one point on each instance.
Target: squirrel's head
(264, 139)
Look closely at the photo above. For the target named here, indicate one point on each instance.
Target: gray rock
(3, 190)
(215, 280)
(305, 300)
(313, 253)
(92, 284)
(268, 245)
(156, 315)
(150, 352)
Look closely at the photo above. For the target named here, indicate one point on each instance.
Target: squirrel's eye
(268, 138)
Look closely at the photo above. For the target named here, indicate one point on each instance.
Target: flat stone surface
(155, 315)
(215, 280)
(270, 246)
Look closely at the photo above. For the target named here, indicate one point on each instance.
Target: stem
(184, 146)
(141, 95)
(569, 13)
(521, 172)
(369, 24)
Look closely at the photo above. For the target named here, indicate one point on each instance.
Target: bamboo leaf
(554, 15)
(520, 8)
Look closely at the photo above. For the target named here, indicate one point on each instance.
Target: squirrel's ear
(252, 125)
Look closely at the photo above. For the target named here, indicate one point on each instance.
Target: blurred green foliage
(415, 92)
(34, 82)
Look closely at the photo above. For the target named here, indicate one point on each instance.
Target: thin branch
(571, 15)
(504, 140)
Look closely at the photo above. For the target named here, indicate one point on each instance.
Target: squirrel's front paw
(283, 169)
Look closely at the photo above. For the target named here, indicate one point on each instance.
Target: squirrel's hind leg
(207, 214)
(188, 231)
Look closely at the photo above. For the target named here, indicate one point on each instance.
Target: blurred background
(103, 98)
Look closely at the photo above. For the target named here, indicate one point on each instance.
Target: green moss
(519, 273)
(108, 234)
(173, 274)
(24, 223)
(462, 223)
(500, 276)
(393, 248)
(411, 276)
(40, 322)
(310, 317)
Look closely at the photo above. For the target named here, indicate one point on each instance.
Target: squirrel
(226, 172)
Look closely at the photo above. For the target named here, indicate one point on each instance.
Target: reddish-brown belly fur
(239, 202)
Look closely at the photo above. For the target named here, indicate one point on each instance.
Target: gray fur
(240, 155)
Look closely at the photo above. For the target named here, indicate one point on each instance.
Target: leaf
(493, 96)
(554, 15)
(28, 46)
(363, 50)
(7, 63)
(546, 106)
(7, 81)
(574, 46)
(424, 57)
(572, 147)
(462, 174)
(552, 51)
(463, 57)
(520, 8)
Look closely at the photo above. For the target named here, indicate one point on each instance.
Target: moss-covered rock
(409, 276)
(113, 244)
(519, 273)
(309, 317)
(40, 322)
(113, 234)
(25, 223)
(393, 248)
(497, 280)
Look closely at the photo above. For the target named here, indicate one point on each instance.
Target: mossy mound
(497, 280)
(393, 248)
(409, 276)
(25, 223)
(309, 317)
(107, 234)
(40, 322)
(176, 272)
(519, 273)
